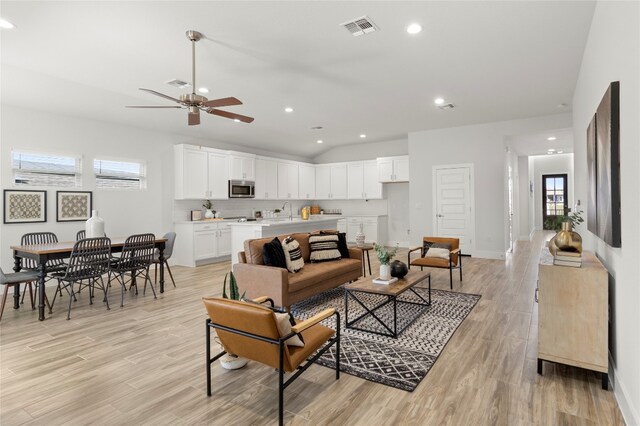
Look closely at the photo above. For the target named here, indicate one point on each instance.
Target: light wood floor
(144, 364)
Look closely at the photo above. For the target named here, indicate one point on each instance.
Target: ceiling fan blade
(194, 119)
(141, 106)
(153, 92)
(214, 103)
(231, 115)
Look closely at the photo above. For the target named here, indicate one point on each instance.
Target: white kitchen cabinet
(307, 182)
(200, 173)
(373, 227)
(342, 225)
(393, 169)
(287, 181)
(362, 180)
(266, 183)
(241, 166)
(201, 242)
(331, 182)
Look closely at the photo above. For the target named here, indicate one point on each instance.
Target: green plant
(207, 204)
(384, 255)
(554, 223)
(575, 218)
(234, 293)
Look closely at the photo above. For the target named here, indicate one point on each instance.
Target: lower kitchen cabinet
(373, 227)
(201, 242)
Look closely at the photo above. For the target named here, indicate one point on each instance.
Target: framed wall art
(25, 206)
(73, 206)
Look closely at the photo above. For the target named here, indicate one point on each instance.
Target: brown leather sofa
(287, 288)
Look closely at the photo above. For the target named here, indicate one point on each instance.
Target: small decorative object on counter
(209, 214)
(230, 361)
(398, 269)
(304, 213)
(384, 257)
(94, 226)
(360, 237)
(196, 214)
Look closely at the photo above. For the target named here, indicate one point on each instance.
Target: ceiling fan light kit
(195, 103)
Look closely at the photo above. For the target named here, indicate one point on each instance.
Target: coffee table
(391, 292)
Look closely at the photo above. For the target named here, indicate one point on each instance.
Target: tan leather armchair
(249, 330)
(453, 262)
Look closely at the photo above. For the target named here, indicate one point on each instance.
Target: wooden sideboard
(573, 314)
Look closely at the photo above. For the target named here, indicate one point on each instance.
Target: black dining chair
(168, 251)
(13, 280)
(53, 266)
(90, 260)
(134, 261)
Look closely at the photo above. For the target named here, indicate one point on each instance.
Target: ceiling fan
(196, 103)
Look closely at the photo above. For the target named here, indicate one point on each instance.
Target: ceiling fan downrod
(193, 36)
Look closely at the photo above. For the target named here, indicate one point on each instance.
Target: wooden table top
(67, 246)
(366, 284)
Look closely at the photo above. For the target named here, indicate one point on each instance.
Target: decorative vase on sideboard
(566, 240)
(360, 237)
(94, 226)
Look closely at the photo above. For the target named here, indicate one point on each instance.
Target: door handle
(439, 215)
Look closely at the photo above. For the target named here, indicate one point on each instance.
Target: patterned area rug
(400, 363)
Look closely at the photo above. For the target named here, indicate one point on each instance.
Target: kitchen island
(242, 231)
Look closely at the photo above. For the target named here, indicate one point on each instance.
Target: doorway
(555, 199)
(510, 208)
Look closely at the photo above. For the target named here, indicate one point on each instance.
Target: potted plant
(231, 361)
(209, 214)
(384, 257)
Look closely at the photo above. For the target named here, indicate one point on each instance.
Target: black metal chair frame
(90, 260)
(135, 260)
(451, 267)
(282, 385)
(54, 266)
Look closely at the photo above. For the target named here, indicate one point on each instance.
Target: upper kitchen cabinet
(331, 182)
(393, 169)
(266, 182)
(200, 173)
(287, 181)
(362, 178)
(307, 181)
(242, 166)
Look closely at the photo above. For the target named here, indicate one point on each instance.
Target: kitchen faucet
(285, 205)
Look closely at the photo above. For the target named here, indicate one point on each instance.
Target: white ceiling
(494, 60)
(538, 144)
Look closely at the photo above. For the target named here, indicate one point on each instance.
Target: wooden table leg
(161, 261)
(42, 273)
(17, 266)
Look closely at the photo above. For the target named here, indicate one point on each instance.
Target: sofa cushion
(439, 250)
(273, 254)
(253, 250)
(323, 248)
(342, 242)
(315, 273)
(292, 254)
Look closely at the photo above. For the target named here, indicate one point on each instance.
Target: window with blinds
(34, 169)
(119, 174)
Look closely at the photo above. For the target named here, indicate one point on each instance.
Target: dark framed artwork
(603, 156)
(73, 206)
(25, 206)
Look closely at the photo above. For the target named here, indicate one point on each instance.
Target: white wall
(363, 151)
(547, 165)
(611, 54)
(524, 198)
(483, 145)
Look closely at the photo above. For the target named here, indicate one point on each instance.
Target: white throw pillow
(284, 328)
(292, 254)
(441, 253)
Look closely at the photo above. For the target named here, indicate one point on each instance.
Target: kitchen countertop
(284, 221)
(206, 221)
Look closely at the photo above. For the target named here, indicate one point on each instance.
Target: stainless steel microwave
(241, 189)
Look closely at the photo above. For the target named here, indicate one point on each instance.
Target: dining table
(43, 253)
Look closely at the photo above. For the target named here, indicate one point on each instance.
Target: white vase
(385, 272)
(94, 227)
(360, 237)
(231, 362)
(209, 214)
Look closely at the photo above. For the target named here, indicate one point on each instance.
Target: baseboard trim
(629, 413)
(533, 231)
(483, 254)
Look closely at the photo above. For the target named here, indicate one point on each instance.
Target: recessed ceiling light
(551, 138)
(6, 24)
(319, 141)
(551, 150)
(363, 136)
(560, 152)
(288, 109)
(438, 101)
(203, 90)
(236, 120)
(414, 28)
(549, 153)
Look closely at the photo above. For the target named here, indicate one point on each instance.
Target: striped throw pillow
(292, 254)
(324, 248)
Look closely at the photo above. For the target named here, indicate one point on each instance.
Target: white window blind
(119, 174)
(33, 169)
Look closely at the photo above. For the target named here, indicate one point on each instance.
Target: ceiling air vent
(446, 106)
(360, 26)
(178, 83)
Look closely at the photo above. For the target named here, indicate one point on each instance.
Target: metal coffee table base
(393, 299)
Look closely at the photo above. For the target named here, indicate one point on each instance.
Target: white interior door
(453, 205)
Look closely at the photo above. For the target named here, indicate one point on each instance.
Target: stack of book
(384, 282)
(568, 258)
